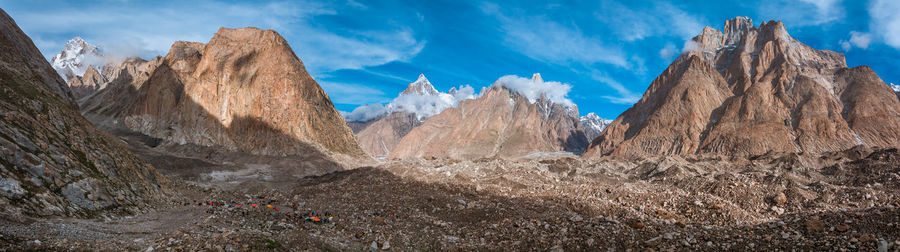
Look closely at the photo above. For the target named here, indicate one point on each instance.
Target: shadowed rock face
(195, 93)
(754, 90)
(52, 160)
(500, 123)
(380, 137)
(86, 84)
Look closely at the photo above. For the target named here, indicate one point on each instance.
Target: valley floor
(768, 203)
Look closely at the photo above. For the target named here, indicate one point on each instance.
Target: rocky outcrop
(500, 123)
(755, 90)
(87, 84)
(53, 162)
(245, 90)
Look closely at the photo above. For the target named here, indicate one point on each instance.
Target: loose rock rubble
(495, 204)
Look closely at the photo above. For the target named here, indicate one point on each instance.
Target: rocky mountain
(420, 87)
(419, 98)
(593, 125)
(244, 90)
(418, 102)
(499, 123)
(54, 162)
(75, 59)
(87, 84)
(381, 134)
(751, 90)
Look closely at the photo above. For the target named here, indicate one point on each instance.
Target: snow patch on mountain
(419, 98)
(535, 88)
(75, 59)
(593, 125)
(895, 87)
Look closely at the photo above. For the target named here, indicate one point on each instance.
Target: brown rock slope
(245, 90)
(52, 160)
(754, 90)
(500, 123)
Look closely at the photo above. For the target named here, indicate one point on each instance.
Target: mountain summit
(420, 87)
(244, 90)
(754, 90)
(502, 122)
(75, 59)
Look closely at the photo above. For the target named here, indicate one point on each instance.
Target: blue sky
(365, 52)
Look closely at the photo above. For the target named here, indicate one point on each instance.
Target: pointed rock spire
(421, 87)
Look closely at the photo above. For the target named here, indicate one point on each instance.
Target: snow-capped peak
(76, 57)
(593, 125)
(419, 98)
(895, 87)
(536, 88)
(421, 87)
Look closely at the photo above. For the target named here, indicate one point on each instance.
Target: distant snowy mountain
(76, 57)
(419, 98)
(593, 125)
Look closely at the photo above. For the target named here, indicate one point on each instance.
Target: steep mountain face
(378, 136)
(753, 90)
(87, 84)
(54, 162)
(245, 90)
(500, 123)
(593, 125)
(75, 59)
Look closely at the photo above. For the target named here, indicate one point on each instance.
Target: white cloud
(150, 29)
(365, 112)
(667, 52)
(546, 40)
(885, 21)
(625, 96)
(425, 106)
(860, 39)
(346, 93)
(802, 12)
(846, 45)
(635, 24)
(535, 89)
(422, 105)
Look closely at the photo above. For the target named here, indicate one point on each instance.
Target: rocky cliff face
(500, 123)
(380, 137)
(245, 90)
(753, 90)
(52, 160)
(86, 84)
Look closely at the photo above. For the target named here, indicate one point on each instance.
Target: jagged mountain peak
(75, 58)
(421, 87)
(755, 90)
